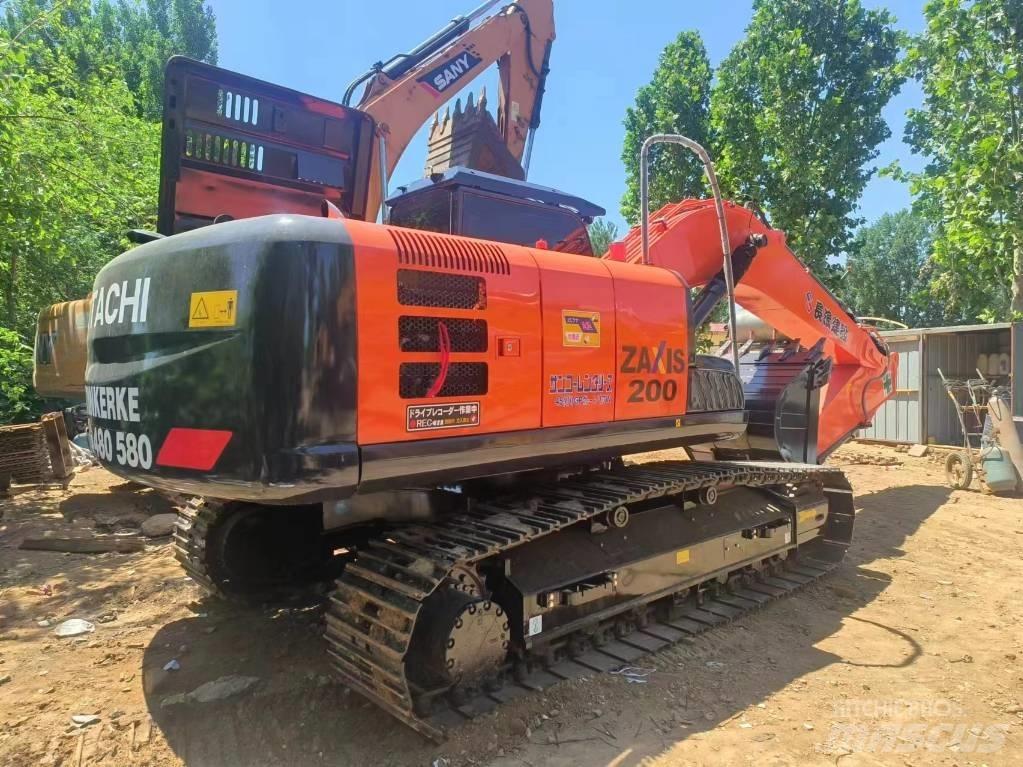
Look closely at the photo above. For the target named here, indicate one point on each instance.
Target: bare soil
(911, 653)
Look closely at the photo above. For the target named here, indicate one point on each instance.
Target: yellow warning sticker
(682, 556)
(580, 328)
(213, 309)
(807, 515)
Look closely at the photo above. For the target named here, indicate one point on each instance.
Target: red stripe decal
(192, 448)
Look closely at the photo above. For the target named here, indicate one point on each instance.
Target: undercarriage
(442, 620)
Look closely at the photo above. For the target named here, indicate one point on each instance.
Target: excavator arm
(402, 94)
(849, 363)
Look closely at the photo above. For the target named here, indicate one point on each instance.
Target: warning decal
(450, 415)
(213, 309)
(580, 328)
(808, 516)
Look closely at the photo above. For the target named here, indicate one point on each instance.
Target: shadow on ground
(296, 715)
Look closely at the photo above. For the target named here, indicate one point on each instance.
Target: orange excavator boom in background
(228, 154)
(402, 94)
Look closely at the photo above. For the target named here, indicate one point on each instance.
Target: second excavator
(435, 417)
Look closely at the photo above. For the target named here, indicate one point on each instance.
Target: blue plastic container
(999, 472)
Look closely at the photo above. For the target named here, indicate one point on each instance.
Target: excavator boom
(772, 283)
(401, 99)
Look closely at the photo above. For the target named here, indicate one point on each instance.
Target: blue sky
(604, 52)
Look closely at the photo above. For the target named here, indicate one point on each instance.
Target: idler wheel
(617, 518)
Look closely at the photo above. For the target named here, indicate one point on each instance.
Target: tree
(77, 170)
(796, 111)
(602, 234)
(887, 271)
(18, 400)
(79, 149)
(133, 38)
(675, 101)
(969, 61)
(149, 35)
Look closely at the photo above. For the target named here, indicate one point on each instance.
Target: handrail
(719, 205)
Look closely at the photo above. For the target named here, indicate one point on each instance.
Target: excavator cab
(488, 207)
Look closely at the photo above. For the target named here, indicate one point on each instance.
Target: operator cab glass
(476, 204)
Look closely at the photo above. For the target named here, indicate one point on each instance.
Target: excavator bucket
(782, 385)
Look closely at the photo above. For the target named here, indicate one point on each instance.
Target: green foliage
(79, 150)
(18, 400)
(793, 119)
(969, 61)
(128, 37)
(888, 271)
(796, 112)
(675, 101)
(602, 234)
(147, 35)
(77, 170)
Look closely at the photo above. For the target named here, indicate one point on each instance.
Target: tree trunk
(1017, 277)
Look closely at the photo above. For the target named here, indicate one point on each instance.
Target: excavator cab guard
(238, 147)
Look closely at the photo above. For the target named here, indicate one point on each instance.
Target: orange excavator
(433, 416)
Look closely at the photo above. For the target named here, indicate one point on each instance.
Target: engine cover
(294, 359)
(222, 360)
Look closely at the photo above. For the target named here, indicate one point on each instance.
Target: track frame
(377, 603)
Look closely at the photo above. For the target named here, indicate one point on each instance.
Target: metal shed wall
(898, 419)
(956, 354)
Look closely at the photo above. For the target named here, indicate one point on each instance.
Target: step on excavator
(433, 415)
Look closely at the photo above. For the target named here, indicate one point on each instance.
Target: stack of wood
(33, 453)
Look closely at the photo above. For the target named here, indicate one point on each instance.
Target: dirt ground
(911, 653)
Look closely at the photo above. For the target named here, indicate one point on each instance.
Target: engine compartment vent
(417, 248)
(420, 334)
(462, 379)
(441, 290)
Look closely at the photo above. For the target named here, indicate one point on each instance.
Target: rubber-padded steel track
(372, 613)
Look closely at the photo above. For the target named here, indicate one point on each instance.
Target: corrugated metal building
(920, 411)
